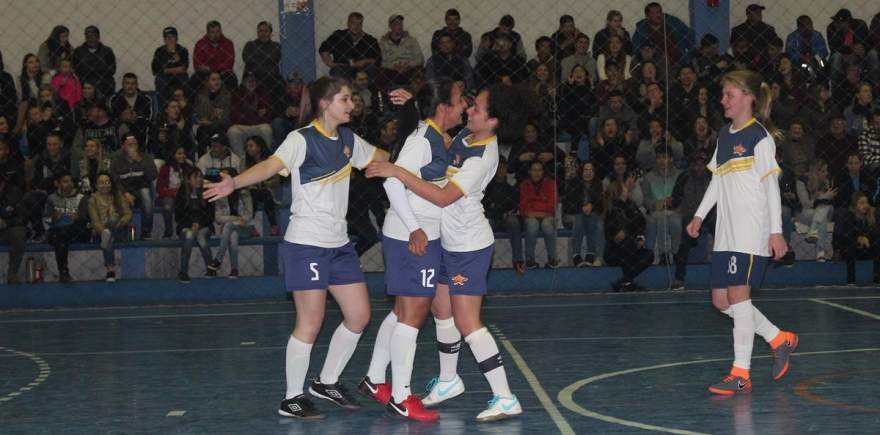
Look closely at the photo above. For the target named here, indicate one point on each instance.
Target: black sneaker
(576, 260)
(210, 273)
(299, 407)
(551, 264)
(532, 264)
(214, 266)
(334, 393)
(111, 276)
(64, 276)
(183, 277)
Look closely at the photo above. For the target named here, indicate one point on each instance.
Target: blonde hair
(814, 184)
(753, 84)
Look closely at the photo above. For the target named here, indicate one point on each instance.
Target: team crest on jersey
(347, 151)
(459, 279)
(739, 150)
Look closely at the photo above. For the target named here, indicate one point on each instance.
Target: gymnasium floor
(591, 363)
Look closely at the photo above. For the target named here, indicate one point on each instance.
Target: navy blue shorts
(407, 274)
(313, 268)
(466, 273)
(737, 268)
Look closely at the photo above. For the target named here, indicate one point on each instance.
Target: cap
(394, 18)
(842, 15)
(754, 7)
(294, 77)
(170, 30)
(219, 138)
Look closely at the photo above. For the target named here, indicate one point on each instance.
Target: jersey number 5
(314, 268)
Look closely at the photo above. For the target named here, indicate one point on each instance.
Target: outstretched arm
(255, 174)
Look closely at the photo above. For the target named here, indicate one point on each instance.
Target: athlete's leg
(309, 316)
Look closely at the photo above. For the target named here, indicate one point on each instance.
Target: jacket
(133, 175)
(111, 214)
(218, 57)
(190, 208)
(537, 197)
(97, 67)
(407, 49)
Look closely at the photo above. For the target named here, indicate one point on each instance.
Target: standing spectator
(805, 45)
(262, 194)
(8, 94)
(349, 50)
(537, 208)
(134, 172)
(464, 44)
(686, 197)
(29, 82)
(290, 112)
(613, 26)
(66, 224)
(624, 234)
(613, 55)
(67, 84)
(172, 131)
(13, 225)
(54, 49)
(251, 114)
(754, 30)
(837, 144)
(234, 215)
(858, 114)
(581, 56)
(214, 53)
(95, 160)
(502, 64)
(171, 177)
(816, 195)
(133, 109)
(860, 237)
(262, 57)
(672, 37)
(212, 109)
(218, 157)
(95, 62)
(564, 38)
(48, 165)
(582, 204)
(401, 54)
(869, 144)
(109, 216)
(170, 64)
(505, 27)
(501, 202)
(844, 33)
(448, 63)
(664, 227)
(195, 218)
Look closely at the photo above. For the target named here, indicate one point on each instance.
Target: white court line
(844, 307)
(45, 371)
(175, 414)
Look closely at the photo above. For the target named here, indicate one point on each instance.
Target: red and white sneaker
(412, 409)
(378, 392)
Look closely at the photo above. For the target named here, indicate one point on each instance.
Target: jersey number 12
(427, 277)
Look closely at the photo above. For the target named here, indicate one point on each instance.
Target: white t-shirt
(472, 166)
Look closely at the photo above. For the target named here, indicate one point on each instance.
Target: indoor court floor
(579, 363)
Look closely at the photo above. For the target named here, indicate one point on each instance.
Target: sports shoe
(731, 385)
(413, 409)
(551, 264)
(500, 408)
(273, 230)
(64, 276)
(214, 265)
(532, 264)
(334, 393)
(233, 274)
(519, 266)
(378, 392)
(439, 391)
(299, 407)
(598, 262)
(209, 273)
(111, 276)
(677, 285)
(782, 354)
(820, 256)
(812, 236)
(183, 277)
(577, 260)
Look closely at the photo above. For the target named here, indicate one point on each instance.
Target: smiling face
(338, 109)
(91, 149)
(103, 184)
(479, 121)
(736, 102)
(451, 113)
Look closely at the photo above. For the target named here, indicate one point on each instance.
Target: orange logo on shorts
(739, 150)
(459, 279)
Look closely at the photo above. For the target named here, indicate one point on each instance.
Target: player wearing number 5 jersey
(748, 227)
(317, 253)
(465, 235)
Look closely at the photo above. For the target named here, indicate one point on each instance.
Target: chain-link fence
(608, 171)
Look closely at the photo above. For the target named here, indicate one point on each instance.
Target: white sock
(763, 327)
(381, 350)
(485, 350)
(448, 334)
(743, 333)
(296, 366)
(403, 352)
(342, 345)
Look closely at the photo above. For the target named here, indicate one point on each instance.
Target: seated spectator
(67, 84)
(859, 237)
(614, 82)
(533, 148)
(754, 30)
(542, 85)
(844, 91)
(501, 65)
(816, 195)
(100, 127)
(347, 51)
(13, 224)
(623, 173)
(95, 62)
(55, 48)
(837, 144)
(172, 131)
(95, 160)
(851, 180)
(686, 197)
(627, 121)
(805, 45)
(790, 78)
(537, 208)
(47, 166)
(262, 194)
(11, 165)
(582, 57)
(610, 142)
(109, 217)
(218, 157)
(66, 224)
(35, 131)
(858, 114)
(545, 55)
(767, 59)
(214, 53)
(374, 101)
(576, 104)
(798, 149)
(181, 95)
(648, 54)
(11, 139)
(56, 114)
(171, 176)
(790, 204)
(658, 137)
(653, 106)
(844, 34)
(262, 57)
(582, 211)
(134, 172)
(707, 109)
(672, 37)
(401, 53)
(250, 114)
(613, 26)
(89, 97)
(866, 60)
(869, 144)
(449, 64)
(624, 234)
(170, 64)
(28, 83)
(501, 201)
(212, 108)
(707, 61)
(361, 122)
(505, 28)
(8, 94)
(664, 227)
(682, 101)
(702, 138)
(234, 215)
(291, 113)
(614, 54)
(133, 110)
(195, 218)
(464, 45)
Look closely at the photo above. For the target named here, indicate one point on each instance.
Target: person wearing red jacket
(537, 208)
(213, 53)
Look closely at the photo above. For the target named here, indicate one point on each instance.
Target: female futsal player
(465, 235)
(748, 227)
(411, 245)
(317, 253)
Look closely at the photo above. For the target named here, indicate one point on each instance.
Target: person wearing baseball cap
(844, 33)
(170, 64)
(95, 62)
(754, 30)
(401, 53)
(218, 157)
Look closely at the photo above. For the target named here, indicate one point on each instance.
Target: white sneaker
(439, 391)
(820, 256)
(501, 408)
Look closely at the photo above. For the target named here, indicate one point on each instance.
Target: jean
(229, 237)
(109, 236)
(281, 127)
(593, 227)
(663, 226)
(167, 204)
(547, 227)
(787, 224)
(627, 254)
(511, 224)
(60, 239)
(35, 203)
(267, 199)
(238, 135)
(143, 199)
(191, 238)
(817, 218)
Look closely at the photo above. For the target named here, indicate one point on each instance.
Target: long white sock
(296, 366)
(449, 343)
(763, 327)
(381, 350)
(743, 333)
(403, 352)
(342, 345)
(485, 351)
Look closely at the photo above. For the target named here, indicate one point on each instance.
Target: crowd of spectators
(622, 126)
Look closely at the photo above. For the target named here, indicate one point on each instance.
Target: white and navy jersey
(472, 165)
(423, 154)
(746, 214)
(320, 170)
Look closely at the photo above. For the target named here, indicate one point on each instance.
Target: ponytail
(762, 97)
(763, 104)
